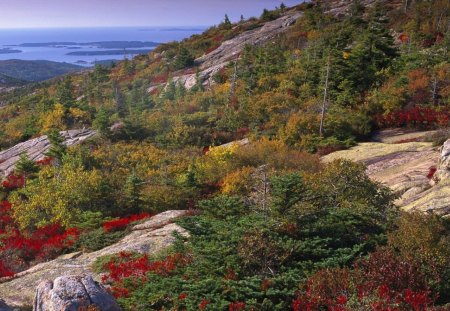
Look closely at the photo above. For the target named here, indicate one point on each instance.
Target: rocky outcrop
(37, 147)
(149, 237)
(405, 168)
(211, 63)
(230, 49)
(341, 7)
(69, 293)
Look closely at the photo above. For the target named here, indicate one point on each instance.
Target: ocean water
(13, 38)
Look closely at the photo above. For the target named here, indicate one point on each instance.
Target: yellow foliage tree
(58, 195)
(54, 119)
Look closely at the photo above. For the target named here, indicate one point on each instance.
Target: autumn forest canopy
(272, 227)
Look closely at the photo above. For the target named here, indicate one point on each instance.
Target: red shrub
(231, 275)
(122, 223)
(382, 282)
(236, 306)
(136, 269)
(13, 182)
(45, 161)
(431, 172)
(22, 249)
(419, 117)
(203, 304)
(4, 270)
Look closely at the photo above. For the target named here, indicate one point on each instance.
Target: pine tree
(374, 51)
(226, 20)
(57, 147)
(133, 188)
(101, 122)
(25, 166)
(170, 91)
(184, 59)
(65, 92)
(180, 91)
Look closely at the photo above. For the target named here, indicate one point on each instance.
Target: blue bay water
(11, 38)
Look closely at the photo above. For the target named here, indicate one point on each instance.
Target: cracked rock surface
(37, 147)
(149, 237)
(67, 293)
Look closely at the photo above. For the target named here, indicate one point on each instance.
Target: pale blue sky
(89, 13)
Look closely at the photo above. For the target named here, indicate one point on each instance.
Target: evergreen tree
(170, 91)
(184, 59)
(25, 166)
(101, 122)
(133, 188)
(180, 91)
(282, 7)
(373, 52)
(65, 92)
(198, 87)
(226, 20)
(57, 147)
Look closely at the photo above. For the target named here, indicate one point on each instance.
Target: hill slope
(34, 71)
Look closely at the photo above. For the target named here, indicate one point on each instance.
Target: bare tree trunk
(325, 95)
(433, 90)
(233, 83)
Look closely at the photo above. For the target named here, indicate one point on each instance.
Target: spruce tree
(65, 92)
(133, 187)
(25, 166)
(184, 59)
(226, 20)
(57, 147)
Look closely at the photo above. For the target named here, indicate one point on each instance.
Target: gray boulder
(73, 293)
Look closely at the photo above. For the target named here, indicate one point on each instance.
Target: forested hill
(271, 225)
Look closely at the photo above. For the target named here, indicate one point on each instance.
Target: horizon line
(116, 26)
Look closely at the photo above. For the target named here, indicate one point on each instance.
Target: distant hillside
(6, 81)
(34, 71)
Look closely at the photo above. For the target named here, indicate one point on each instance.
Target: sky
(109, 13)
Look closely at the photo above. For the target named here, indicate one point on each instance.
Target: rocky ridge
(37, 147)
(150, 237)
(211, 63)
(416, 171)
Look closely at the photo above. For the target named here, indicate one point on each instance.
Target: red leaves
(122, 223)
(203, 304)
(136, 269)
(21, 249)
(236, 306)
(382, 282)
(431, 172)
(5, 271)
(415, 117)
(231, 275)
(13, 182)
(45, 161)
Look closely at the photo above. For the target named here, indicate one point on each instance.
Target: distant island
(100, 44)
(110, 52)
(9, 51)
